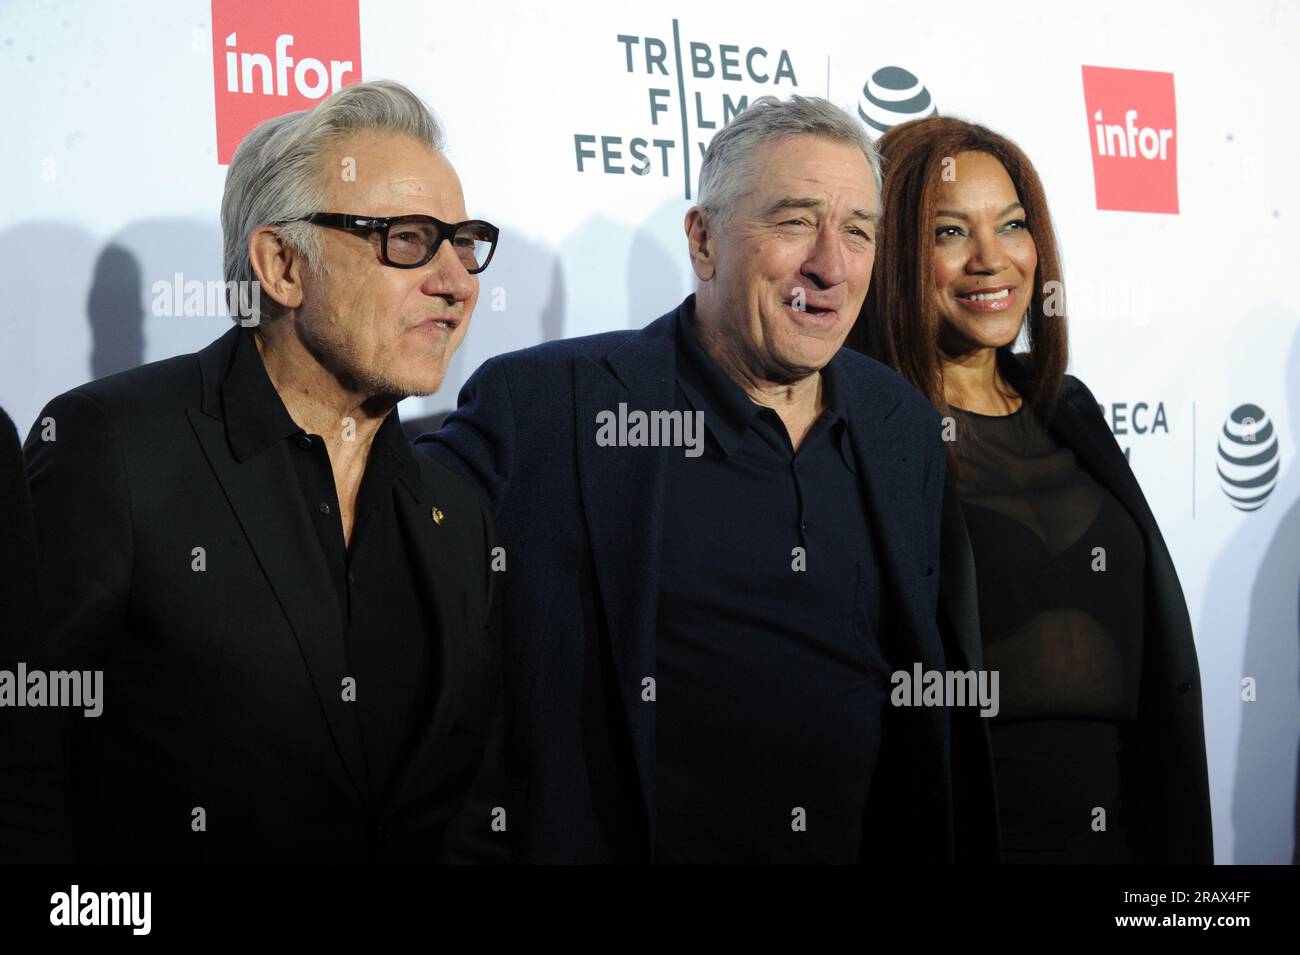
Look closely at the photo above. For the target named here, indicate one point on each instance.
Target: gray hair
(728, 171)
(276, 175)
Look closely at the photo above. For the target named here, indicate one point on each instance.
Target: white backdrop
(111, 183)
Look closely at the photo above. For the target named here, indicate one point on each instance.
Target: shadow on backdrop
(521, 303)
(87, 311)
(1265, 799)
(43, 324)
(649, 265)
(126, 306)
(659, 273)
(115, 310)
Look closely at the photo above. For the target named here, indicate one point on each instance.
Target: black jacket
(582, 527)
(222, 688)
(21, 798)
(1166, 784)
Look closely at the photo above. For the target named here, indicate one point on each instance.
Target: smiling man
(699, 646)
(290, 607)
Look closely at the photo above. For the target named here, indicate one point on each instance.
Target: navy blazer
(581, 529)
(1166, 783)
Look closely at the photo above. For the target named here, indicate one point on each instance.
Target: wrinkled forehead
(834, 174)
(380, 173)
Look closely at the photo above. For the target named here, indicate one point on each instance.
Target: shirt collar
(391, 442)
(833, 392)
(727, 409)
(256, 417)
(838, 409)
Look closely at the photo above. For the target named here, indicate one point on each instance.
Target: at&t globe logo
(893, 96)
(1248, 457)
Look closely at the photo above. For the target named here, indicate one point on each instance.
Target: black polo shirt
(769, 682)
(386, 628)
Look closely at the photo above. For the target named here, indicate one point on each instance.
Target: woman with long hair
(1054, 573)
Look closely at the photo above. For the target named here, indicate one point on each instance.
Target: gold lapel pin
(436, 514)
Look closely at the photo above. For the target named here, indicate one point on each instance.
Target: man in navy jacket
(719, 537)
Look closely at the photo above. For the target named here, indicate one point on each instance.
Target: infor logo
(274, 58)
(1133, 133)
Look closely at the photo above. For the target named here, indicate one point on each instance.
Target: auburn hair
(899, 322)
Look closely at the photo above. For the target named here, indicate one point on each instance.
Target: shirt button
(324, 508)
(796, 465)
(351, 579)
(304, 441)
(803, 527)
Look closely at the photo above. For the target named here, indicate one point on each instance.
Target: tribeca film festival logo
(682, 121)
(1129, 420)
(1132, 127)
(893, 96)
(1248, 462)
(81, 689)
(275, 58)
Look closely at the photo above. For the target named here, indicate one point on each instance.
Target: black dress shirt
(770, 681)
(385, 625)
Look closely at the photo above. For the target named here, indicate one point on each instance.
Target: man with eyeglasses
(290, 608)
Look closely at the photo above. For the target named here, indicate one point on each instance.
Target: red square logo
(275, 58)
(1133, 128)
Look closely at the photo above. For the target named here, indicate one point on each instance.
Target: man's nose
(827, 264)
(447, 277)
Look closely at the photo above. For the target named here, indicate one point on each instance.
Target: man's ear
(277, 265)
(699, 240)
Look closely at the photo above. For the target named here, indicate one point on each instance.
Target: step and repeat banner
(1164, 133)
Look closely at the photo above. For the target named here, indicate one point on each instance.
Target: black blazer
(20, 801)
(582, 527)
(222, 687)
(19, 610)
(1166, 784)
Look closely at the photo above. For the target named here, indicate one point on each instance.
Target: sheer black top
(1060, 566)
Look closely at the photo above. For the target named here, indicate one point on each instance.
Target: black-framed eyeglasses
(407, 242)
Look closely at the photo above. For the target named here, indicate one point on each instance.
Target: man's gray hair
(276, 174)
(728, 171)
